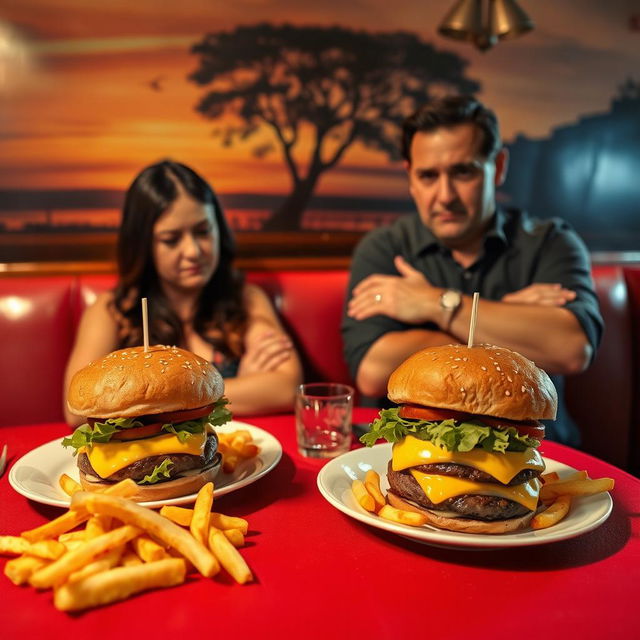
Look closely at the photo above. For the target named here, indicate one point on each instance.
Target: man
(412, 283)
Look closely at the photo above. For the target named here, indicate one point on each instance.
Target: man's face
(453, 185)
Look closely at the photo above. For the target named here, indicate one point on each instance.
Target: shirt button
(467, 275)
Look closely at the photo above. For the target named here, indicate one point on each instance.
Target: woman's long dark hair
(220, 316)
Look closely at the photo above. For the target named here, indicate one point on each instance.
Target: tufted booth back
(39, 315)
(309, 303)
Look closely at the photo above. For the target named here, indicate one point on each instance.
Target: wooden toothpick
(145, 324)
(474, 318)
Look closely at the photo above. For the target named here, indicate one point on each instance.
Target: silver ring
(378, 297)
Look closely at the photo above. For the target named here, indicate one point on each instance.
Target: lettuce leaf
(101, 432)
(160, 470)
(447, 434)
(85, 435)
(220, 414)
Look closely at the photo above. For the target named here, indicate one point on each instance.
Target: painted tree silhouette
(328, 85)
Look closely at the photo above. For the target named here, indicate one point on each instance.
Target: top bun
(483, 379)
(131, 382)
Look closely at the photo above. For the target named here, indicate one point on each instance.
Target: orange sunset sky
(78, 109)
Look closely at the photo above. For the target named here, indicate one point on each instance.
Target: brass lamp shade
(484, 22)
(464, 21)
(508, 20)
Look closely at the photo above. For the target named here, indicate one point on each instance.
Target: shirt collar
(425, 241)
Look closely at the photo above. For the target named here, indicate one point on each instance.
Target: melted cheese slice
(439, 488)
(412, 452)
(112, 456)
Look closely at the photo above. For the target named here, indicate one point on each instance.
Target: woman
(176, 249)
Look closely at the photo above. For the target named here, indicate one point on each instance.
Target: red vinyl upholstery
(36, 334)
(602, 395)
(39, 315)
(310, 305)
(632, 279)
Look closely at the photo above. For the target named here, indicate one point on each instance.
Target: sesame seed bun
(131, 382)
(483, 379)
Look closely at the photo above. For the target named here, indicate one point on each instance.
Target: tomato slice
(416, 412)
(530, 428)
(135, 433)
(180, 416)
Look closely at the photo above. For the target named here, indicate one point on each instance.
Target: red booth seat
(39, 315)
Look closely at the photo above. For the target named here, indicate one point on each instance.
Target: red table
(322, 574)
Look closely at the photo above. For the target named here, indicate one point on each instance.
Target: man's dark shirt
(518, 251)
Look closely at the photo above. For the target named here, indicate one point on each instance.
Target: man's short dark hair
(450, 111)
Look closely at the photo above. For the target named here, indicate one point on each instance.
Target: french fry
(229, 557)
(575, 488)
(230, 462)
(552, 476)
(57, 572)
(411, 518)
(96, 526)
(179, 515)
(148, 550)
(123, 489)
(69, 485)
(15, 545)
(199, 525)
(54, 528)
(234, 446)
(364, 498)
(552, 514)
(222, 521)
(19, 570)
(72, 535)
(372, 484)
(104, 562)
(130, 558)
(234, 536)
(70, 545)
(159, 527)
(76, 516)
(247, 450)
(183, 516)
(119, 583)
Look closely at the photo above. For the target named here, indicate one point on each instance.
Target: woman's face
(186, 246)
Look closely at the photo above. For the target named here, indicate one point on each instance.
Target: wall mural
(293, 113)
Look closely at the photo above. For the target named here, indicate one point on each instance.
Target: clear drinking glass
(323, 419)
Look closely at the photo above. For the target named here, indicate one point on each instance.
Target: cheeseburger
(150, 417)
(466, 435)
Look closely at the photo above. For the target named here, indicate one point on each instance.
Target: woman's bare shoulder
(255, 296)
(101, 311)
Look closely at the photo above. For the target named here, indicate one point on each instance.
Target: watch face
(450, 299)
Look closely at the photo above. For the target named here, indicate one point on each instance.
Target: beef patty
(477, 507)
(144, 467)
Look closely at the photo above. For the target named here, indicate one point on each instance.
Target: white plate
(334, 482)
(36, 474)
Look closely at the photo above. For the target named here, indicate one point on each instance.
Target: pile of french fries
(555, 497)
(235, 446)
(124, 548)
(371, 498)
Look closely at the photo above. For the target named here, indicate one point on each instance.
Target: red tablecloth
(322, 574)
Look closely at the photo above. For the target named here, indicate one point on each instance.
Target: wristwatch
(450, 301)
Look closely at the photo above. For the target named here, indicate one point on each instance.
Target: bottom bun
(182, 486)
(464, 525)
